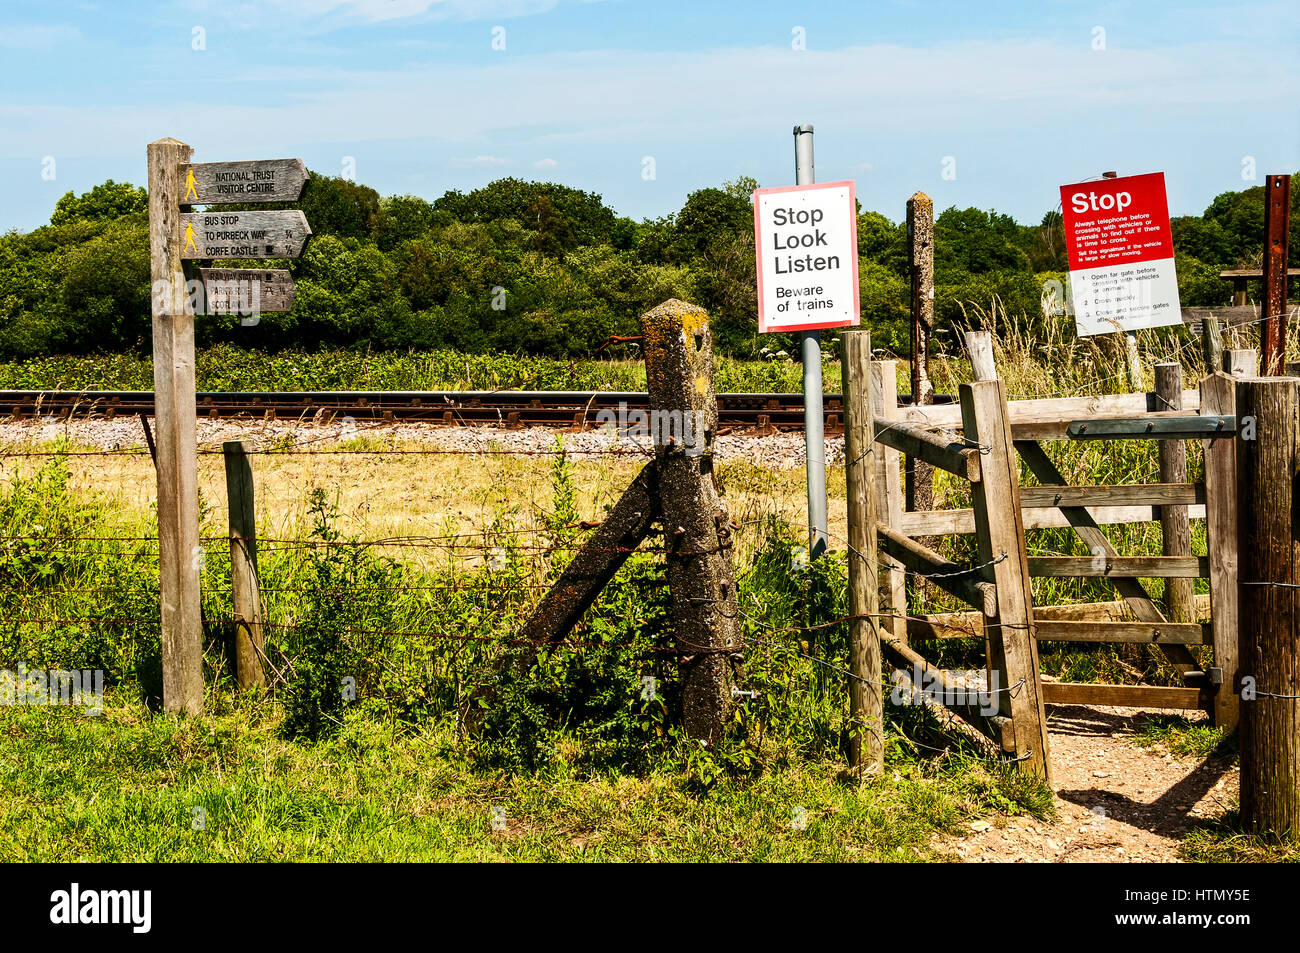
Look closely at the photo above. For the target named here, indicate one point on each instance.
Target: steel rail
(507, 408)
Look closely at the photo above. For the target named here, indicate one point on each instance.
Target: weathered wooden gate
(980, 439)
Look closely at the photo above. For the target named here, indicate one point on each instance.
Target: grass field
(574, 762)
(136, 786)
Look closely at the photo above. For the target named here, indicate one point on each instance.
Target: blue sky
(1012, 97)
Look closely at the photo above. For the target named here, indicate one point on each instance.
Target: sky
(985, 103)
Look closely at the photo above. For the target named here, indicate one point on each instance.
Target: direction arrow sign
(257, 180)
(243, 234)
(246, 290)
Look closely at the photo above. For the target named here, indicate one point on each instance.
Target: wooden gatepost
(678, 490)
(1213, 676)
(997, 586)
(1270, 606)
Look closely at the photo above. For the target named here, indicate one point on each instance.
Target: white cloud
(545, 164)
(379, 11)
(1042, 94)
(481, 162)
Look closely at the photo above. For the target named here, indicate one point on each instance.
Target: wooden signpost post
(178, 235)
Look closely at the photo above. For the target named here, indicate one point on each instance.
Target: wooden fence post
(979, 348)
(1270, 606)
(1134, 360)
(1175, 528)
(866, 700)
(999, 523)
(678, 351)
(1212, 344)
(245, 583)
(179, 555)
(889, 498)
(1241, 362)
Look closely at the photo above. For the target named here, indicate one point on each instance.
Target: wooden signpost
(178, 235)
(228, 290)
(221, 234)
(261, 180)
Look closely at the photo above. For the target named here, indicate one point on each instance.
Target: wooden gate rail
(956, 457)
(1207, 414)
(997, 586)
(979, 440)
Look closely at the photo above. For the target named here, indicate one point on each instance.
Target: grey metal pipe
(814, 436)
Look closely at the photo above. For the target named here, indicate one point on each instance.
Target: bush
(331, 663)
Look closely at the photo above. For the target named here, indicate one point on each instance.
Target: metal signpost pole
(812, 380)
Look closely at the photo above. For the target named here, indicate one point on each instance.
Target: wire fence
(513, 567)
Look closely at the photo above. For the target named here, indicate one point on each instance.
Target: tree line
(542, 268)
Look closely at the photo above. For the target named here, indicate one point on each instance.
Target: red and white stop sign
(1121, 254)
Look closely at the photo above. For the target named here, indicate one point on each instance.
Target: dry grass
(385, 494)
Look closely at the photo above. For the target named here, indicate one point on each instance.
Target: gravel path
(776, 451)
(1116, 801)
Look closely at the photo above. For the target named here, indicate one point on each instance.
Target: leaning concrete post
(697, 531)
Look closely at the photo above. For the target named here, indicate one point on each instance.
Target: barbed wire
(143, 453)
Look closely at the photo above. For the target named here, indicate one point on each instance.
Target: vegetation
(1180, 736)
(135, 787)
(542, 269)
(224, 367)
(380, 668)
(402, 719)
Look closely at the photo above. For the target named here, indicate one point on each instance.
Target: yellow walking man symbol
(189, 237)
(191, 187)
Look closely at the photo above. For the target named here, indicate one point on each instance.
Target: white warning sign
(806, 243)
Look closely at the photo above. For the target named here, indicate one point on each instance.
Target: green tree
(105, 292)
(711, 215)
(106, 201)
(336, 206)
(588, 221)
(977, 242)
(401, 218)
(554, 232)
(741, 187)
(882, 242)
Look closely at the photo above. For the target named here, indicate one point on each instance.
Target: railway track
(504, 408)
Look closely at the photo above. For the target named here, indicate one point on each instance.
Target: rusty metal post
(1277, 225)
(678, 350)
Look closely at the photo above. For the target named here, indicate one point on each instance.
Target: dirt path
(1116, 801)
